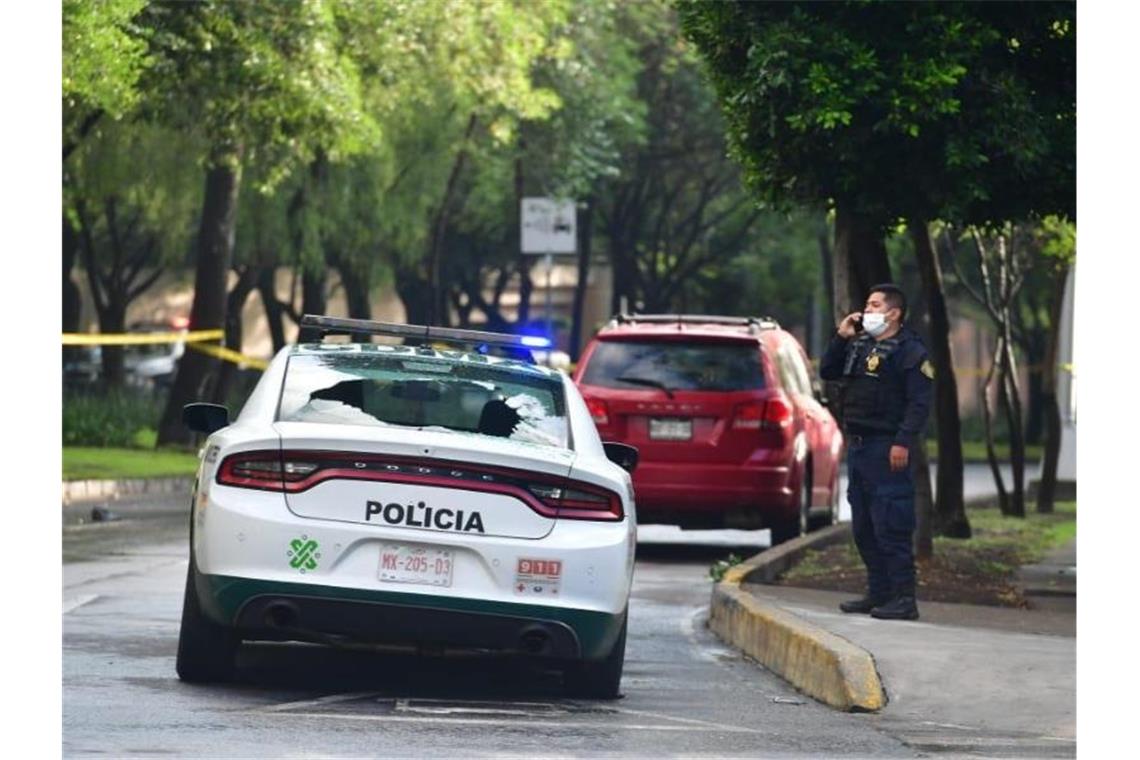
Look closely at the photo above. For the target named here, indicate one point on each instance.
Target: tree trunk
(923, 502)
(987, 421)
(860, 260)
(586, 237)
(274, 311)
(359, 301)
(1047, 488)
(313, 299)
(113, 320)
(72, 302)
(524, 261)
(415, 293)
(949, 510)
(624, 273)
(235, 302)
(356, 292)
(438, 312)
(1035, 350)
(1011, 395)
(214, 253)
(825, 260)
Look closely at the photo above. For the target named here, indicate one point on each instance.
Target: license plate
(415, 563)
(670, 429)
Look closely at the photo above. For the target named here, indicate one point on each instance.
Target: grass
(975, 451)
(977, 570)
(92, 463)
(1028, 540)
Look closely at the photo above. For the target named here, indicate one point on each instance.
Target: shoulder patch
(927, 368)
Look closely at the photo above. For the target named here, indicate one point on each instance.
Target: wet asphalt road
(685, 693)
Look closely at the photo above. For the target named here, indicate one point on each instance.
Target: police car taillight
(578, 504)
(266, 470)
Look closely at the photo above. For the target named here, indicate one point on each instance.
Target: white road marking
(707, 724)
(514, 722)
(430, 709)
(77, 602)
(444, 707)
(326, 700)
(980, 731)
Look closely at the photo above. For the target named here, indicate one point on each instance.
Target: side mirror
(205, 418)
(622, 455)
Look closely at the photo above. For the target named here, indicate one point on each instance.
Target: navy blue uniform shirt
(887, 384)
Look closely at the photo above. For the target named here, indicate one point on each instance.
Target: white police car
(401, 494)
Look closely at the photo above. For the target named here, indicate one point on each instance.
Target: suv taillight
(748, 416)
(777, 413)
(599, 411)
(773, 414)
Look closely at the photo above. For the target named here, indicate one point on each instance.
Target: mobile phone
(858, 323)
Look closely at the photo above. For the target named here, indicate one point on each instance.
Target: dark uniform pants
(882, 516)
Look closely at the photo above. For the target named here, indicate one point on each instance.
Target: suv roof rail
(756, 323)
(321, 326)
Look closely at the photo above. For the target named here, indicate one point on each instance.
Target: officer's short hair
(892, 294)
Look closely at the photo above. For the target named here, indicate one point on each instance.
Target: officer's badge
(873, 362)
(927, 369)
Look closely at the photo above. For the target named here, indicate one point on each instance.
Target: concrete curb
(815, 661)
(95, 490)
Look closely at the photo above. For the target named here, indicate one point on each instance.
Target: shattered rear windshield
(426, 389)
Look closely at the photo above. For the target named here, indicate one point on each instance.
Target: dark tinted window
(675, 365)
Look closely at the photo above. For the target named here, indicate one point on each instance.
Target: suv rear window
(450, 391)
(675, 365)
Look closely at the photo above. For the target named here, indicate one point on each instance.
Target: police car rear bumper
(276, 611)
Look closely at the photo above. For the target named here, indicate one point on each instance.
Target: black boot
(864, 605)
(902, 607)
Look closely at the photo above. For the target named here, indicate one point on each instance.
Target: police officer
(886, 378)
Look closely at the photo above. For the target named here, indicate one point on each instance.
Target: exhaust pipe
(534, 640)
(281, 615)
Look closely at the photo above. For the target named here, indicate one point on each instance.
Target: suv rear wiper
(646, 381)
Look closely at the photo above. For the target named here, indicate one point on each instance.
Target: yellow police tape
(121, 339)
(229, 355)
(195, 339)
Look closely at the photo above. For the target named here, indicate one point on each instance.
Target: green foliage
(266, 78)
(118, 418)
(919, 110)
(85, 463)
(103, 57)
(721, 566)
(776, 275)
(151, 174)
(1057, 238)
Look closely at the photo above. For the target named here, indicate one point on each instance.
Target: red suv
(726, 419)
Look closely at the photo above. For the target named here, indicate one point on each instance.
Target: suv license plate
(670, 429)
(415, 563)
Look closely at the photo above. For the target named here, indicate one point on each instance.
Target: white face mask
(875, 323)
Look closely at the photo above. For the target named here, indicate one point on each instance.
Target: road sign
(549, 226)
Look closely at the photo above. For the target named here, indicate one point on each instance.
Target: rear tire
(832, 515)
(797, 525)
(206, 650)
(600, 679)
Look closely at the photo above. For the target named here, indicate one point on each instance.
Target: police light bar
(345, 326)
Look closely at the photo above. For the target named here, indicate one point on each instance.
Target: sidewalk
(973, 679)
